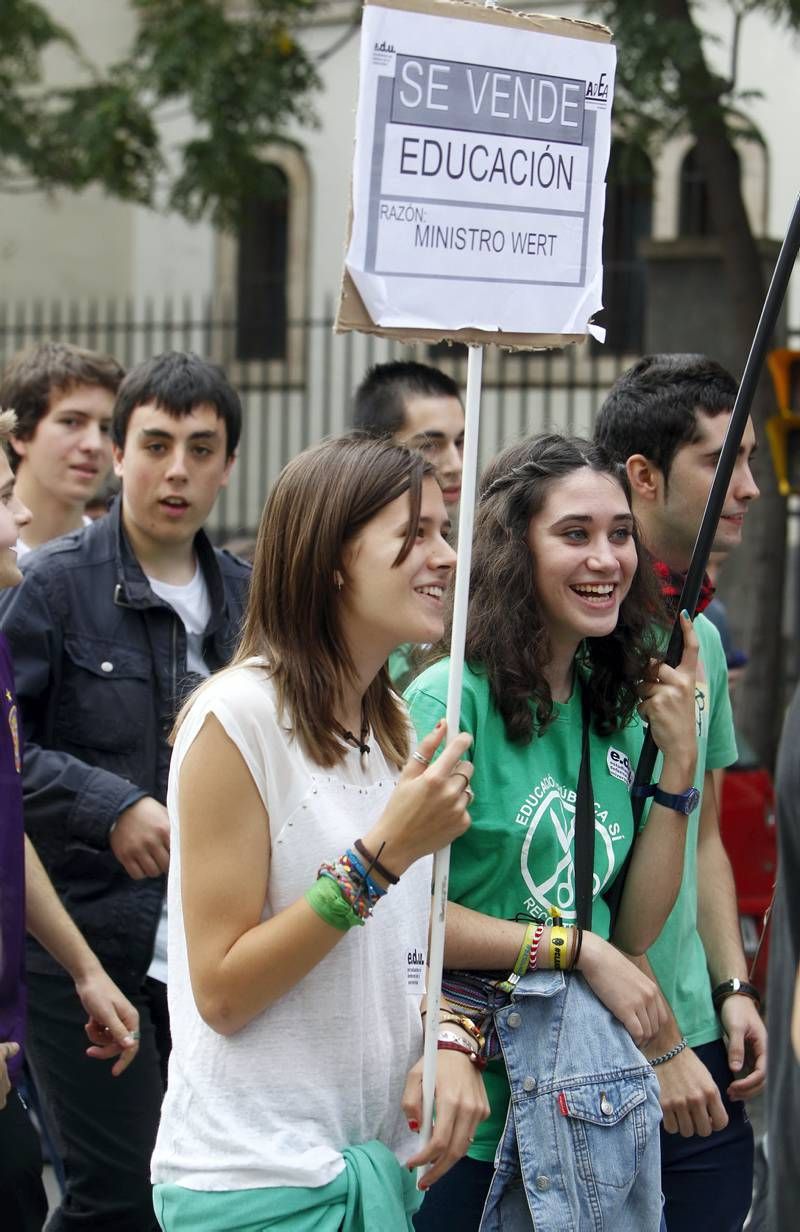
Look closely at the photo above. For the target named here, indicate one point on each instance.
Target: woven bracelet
(668, 1056)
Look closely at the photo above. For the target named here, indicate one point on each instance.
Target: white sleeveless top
(324, 1066)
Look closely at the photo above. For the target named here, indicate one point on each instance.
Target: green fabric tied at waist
(373, 1191)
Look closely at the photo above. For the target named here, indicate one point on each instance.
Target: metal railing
(293, 402)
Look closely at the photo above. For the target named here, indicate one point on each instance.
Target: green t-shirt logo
(547, 854)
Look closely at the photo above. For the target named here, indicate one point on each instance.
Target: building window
(694, 211)
(628, 219)
(262, 274)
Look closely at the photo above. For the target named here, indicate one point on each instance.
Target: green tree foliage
(237, 72)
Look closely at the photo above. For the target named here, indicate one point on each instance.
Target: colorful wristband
(559, 941)
(326, 899)
(522, 961)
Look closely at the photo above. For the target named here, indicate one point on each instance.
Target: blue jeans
(715, 1174)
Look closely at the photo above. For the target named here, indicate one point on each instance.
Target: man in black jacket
(110, 629)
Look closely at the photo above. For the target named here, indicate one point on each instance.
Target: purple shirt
(12, 865)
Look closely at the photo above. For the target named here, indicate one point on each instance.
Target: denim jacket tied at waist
(583, 1118)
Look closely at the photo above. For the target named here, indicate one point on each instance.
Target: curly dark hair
(506, 634)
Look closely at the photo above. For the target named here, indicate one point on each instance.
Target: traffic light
(783, 429)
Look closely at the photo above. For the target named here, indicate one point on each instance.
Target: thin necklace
(352, 740)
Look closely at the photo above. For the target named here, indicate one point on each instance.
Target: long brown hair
(503, 586)
(320, 502)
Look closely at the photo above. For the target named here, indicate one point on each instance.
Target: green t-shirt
(517, 858)
(678, 958)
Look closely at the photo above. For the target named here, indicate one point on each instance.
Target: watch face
(692, 800)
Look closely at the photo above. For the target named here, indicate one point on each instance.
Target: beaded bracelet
(673, 1052)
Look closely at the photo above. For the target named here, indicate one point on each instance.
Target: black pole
(716, 497)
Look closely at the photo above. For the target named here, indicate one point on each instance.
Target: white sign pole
(441, 861)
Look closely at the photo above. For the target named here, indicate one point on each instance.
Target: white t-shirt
(324, 1066)
(192, 603)
(23, 549)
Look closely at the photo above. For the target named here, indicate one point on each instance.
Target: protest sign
(482, 141)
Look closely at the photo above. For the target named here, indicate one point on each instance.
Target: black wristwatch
(686, 802)
(729, 988)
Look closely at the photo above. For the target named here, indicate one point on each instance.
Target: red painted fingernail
(414, 1126)
(422, 1186)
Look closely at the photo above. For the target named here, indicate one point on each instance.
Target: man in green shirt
(666, 419)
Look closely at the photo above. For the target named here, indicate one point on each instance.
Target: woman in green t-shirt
(559, 626)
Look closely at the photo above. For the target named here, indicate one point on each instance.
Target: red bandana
(672, 585)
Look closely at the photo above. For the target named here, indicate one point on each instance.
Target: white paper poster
(479, 176)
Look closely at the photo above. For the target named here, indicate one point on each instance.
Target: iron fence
(296, 400)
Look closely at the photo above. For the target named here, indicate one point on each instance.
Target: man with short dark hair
(419, 406)
(110, 628)
(61, 448)
(665, 419)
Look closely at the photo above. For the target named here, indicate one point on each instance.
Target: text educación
(456, 158)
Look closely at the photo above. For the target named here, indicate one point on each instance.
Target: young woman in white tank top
(296, 811)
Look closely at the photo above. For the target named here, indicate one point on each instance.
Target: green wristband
(522, 962)
(326, 899)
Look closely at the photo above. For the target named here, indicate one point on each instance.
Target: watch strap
(684, 802)
(732, 988)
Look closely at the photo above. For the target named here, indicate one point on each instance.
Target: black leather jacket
(100, 664)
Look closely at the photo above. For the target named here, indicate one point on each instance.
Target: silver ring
(470, 793)
(424, 761)
(135, 1035)
(461, 775)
